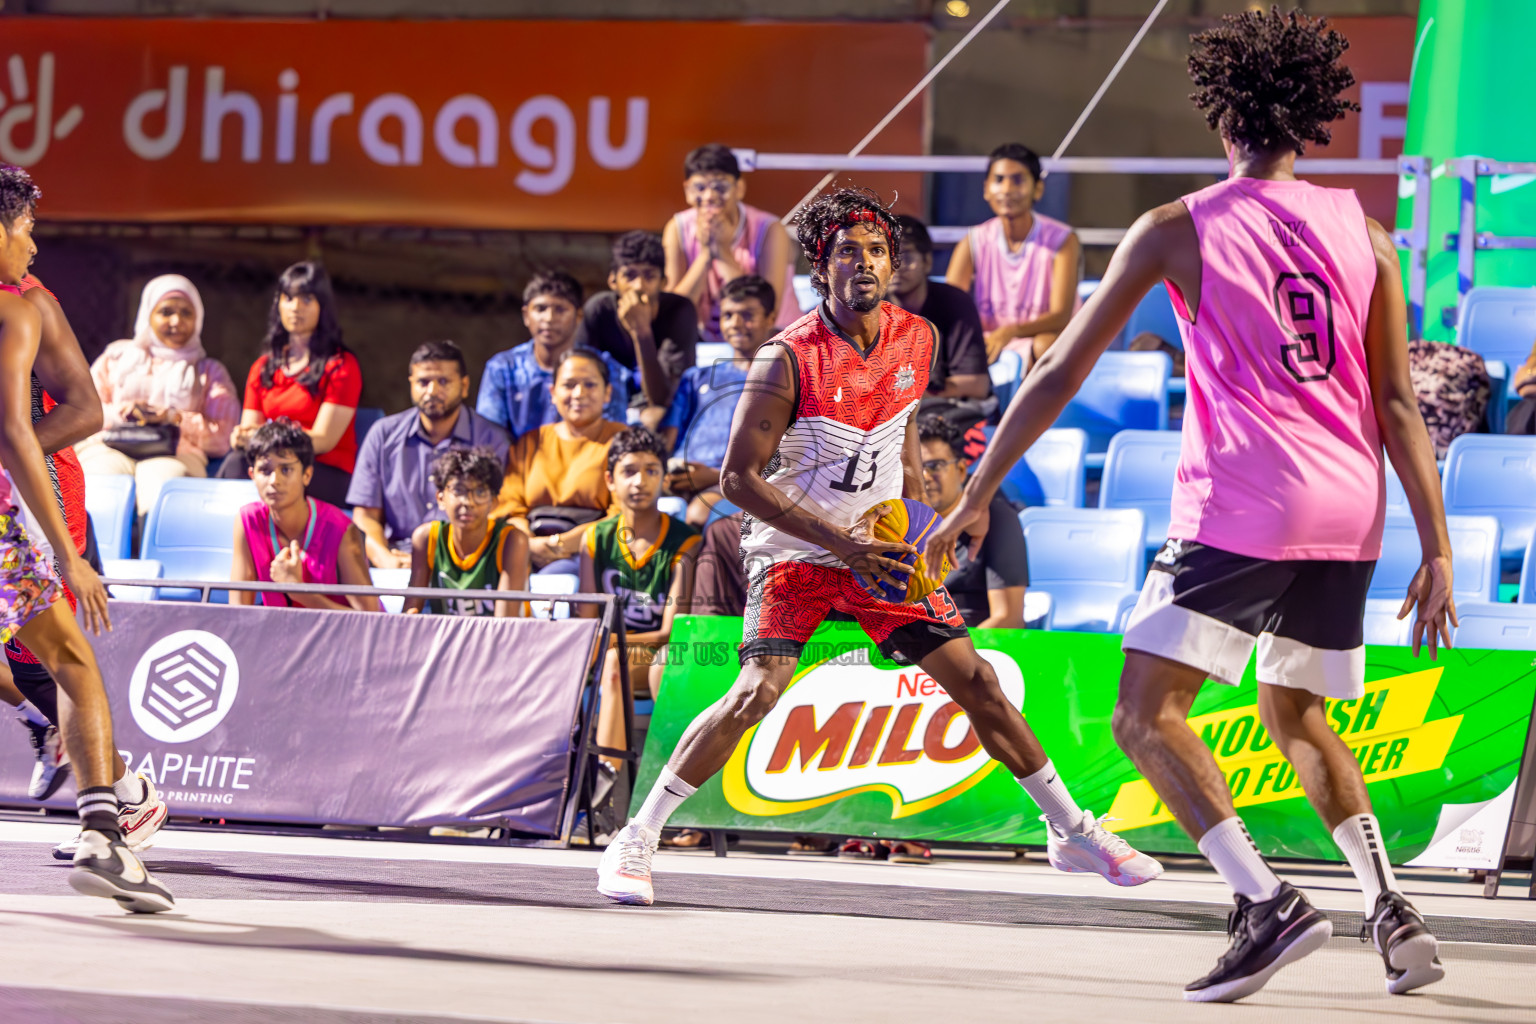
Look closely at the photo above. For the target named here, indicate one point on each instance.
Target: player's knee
(1132, 723)
(750, 700)
(980, 693)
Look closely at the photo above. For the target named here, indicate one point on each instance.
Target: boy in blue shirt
(697, 425)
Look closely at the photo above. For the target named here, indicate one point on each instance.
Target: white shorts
(1209, 609)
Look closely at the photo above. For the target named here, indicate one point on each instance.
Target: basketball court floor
(320, 929)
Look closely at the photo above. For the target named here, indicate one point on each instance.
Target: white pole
(1113, 74)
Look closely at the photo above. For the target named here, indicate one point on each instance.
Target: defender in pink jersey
(1293, 316)
(826, 429)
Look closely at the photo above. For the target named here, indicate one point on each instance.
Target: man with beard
(391, 492)
(825, 435)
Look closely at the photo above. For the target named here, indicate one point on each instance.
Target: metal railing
(1466, 240)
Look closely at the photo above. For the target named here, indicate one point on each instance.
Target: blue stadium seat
(1154, 313)
(1496, 627)
(394, 579)
(1051, 471)
(132, 569)
(1495, 476)
(109, 500)
(805, 292)
(1124, 391)
(190, 529)
(366, 417)
(1397, 498)
(1087, 559)
(720, 508)
(1006, 374)
(1528, 577)
(1382, 626)
(1039, 609)
(1123, 612)
(1474, 558)
(552, 583)
(1138, 473)
(1498, 323)
(671, 505)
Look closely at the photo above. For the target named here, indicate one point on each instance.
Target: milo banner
(861, 746)
(293, 715)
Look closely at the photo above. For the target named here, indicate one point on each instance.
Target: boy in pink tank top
(720, 238)
(1021, 266)
(288, 537)
(1293, 323)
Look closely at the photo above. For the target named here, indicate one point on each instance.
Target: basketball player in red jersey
(825, 429)
(1291, 307)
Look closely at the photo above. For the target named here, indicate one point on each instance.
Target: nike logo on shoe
(1285, 915)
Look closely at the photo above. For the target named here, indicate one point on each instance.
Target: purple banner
(294, 715)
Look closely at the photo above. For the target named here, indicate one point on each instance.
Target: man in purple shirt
(391, 491)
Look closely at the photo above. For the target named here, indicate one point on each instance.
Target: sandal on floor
(862, 849)
(812, 846)
(687, 839)
(908, 852)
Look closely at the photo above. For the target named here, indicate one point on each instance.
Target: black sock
(38, 687)
(98, 810)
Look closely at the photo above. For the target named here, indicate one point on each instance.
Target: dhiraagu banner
(861, 746)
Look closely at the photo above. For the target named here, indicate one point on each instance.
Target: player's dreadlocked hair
(18, 194)
(820, 221)
(1271, 81)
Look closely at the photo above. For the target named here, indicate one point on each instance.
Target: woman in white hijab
(162, 375)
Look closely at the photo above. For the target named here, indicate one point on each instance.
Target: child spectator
(1521, 418)
(644, 558)
(959, 387)
(471, 551)
(515, 392)
(1021, 266)
(289, 537)
(719, 238)
(307, 375)
(650, 332)
(697, 425)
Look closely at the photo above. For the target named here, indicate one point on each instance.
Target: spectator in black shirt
(989, 590)
(649, 331)
(959, 388)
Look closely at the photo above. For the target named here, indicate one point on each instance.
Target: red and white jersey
(842, 451)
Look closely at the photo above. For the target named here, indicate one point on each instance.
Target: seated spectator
(556, 481)
(989, 590)
(162, 376)
(1521, 418)
(645, 558)
(649, 332)
(1021, 267)
(515, 391)
(959, 387)
(308, 375)
(1147, 341)
(470, 551)
(289, 537)
(719, 238)
(392, 492)
(697, 425)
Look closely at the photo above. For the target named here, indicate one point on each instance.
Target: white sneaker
(1095, 848)
(139, 823)
(52, 765)
(625, 872)
(107, 868)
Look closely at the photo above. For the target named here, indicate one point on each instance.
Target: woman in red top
(307, 375)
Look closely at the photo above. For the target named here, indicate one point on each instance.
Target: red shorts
(788, 600)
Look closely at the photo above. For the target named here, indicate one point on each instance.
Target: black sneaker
(1265, 937)
(1406, 946)
(104, 866)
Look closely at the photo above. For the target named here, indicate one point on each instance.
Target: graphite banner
(293, 715)
(861, 746)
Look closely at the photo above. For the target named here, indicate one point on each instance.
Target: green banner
(861, 746)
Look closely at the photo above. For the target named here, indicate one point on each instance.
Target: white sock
(1046, 789)
(129, 789)
(665, 797)
(1359, 836)
(31, 714)
(1230, 849)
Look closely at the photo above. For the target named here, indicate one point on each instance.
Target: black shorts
(1209, 609)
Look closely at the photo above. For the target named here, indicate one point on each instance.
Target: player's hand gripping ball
(910, 521)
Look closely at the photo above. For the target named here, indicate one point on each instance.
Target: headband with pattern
(866, 214)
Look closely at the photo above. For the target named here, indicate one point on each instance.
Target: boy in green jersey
(646, 559)
(470, 551)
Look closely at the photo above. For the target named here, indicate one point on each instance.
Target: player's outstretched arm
(1408, 446)
(22, 456)
(1142, 259)
(767, 402)
(66, 376)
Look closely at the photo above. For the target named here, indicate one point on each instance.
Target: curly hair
(632, 440)
(1271, 81)
(819, 222)
(472, 465)
(934, 427)
(18, 194)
